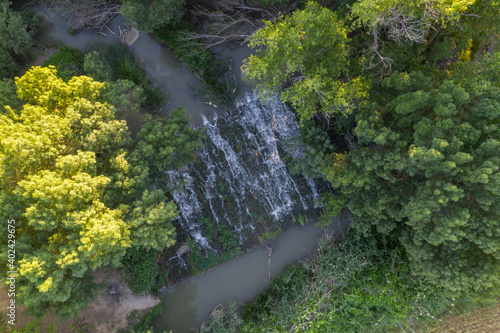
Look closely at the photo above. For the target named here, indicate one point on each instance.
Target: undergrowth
(142, 266)
(144, 323)
(358, 285)
(123, 65)
(222, 239)
(68, 62)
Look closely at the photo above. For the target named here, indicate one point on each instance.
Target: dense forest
(399, 109)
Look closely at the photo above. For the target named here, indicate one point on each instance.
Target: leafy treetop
(305, 57)
(426, 168)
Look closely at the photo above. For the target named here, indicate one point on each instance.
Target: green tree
(305, 57)
(152, 14)
(426, 167)
(167, 142)
(406, 20)
(16, 37)
(78, 198)
(7, 93)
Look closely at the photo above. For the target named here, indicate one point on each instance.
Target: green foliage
(192, 54)
(115, 62)
(68, 61)
(142, 265)
(426, 168)
(201, 263)
(227, 239)
(95, 67)
(317, 146)
(168, 142)
(305, 57)
(144, 325)
(78, 198)
(16, 37)
(151, 219)
(373, 13)
(227, 321)
(286, 286)
(7, 94)
(31, 327)
(423, 35)
(150, 15)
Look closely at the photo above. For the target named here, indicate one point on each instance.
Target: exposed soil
(485, 320)
(42, 53)
(107, 313)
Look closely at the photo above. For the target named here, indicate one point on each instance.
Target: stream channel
(239, 181)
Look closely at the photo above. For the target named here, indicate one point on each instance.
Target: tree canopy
(305, 57)
(16, 36)
(426, 169)
(79, 198)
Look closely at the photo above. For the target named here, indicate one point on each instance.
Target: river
(239, 180)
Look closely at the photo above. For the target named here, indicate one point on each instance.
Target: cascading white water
(240, 173)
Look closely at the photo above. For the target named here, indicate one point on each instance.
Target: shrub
(68, 62)
(117, 62)
(142, 265)
(16, 37)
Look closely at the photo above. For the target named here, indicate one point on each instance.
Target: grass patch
(68, 61)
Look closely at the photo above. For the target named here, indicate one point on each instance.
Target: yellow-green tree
(305, 58)
(78, 199)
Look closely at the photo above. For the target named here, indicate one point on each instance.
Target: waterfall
(240, 174)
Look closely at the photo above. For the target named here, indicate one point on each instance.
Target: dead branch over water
(91, 15)
(234, 21)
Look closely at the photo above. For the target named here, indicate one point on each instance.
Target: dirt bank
(107, 313)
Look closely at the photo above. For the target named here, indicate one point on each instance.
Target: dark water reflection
(179, 311)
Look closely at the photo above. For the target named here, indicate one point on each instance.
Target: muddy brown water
(188, 303)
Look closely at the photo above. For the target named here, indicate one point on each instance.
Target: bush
(142, 265)
(201, 61)
(68, 62)
(358, 285)
(151, 15)
(8, 94)
(95, 67)
(117, 62)
(145, 324)
(16, 37)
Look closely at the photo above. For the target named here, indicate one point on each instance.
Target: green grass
(68, 62)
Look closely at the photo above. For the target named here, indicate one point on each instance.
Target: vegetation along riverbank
(386, 109)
